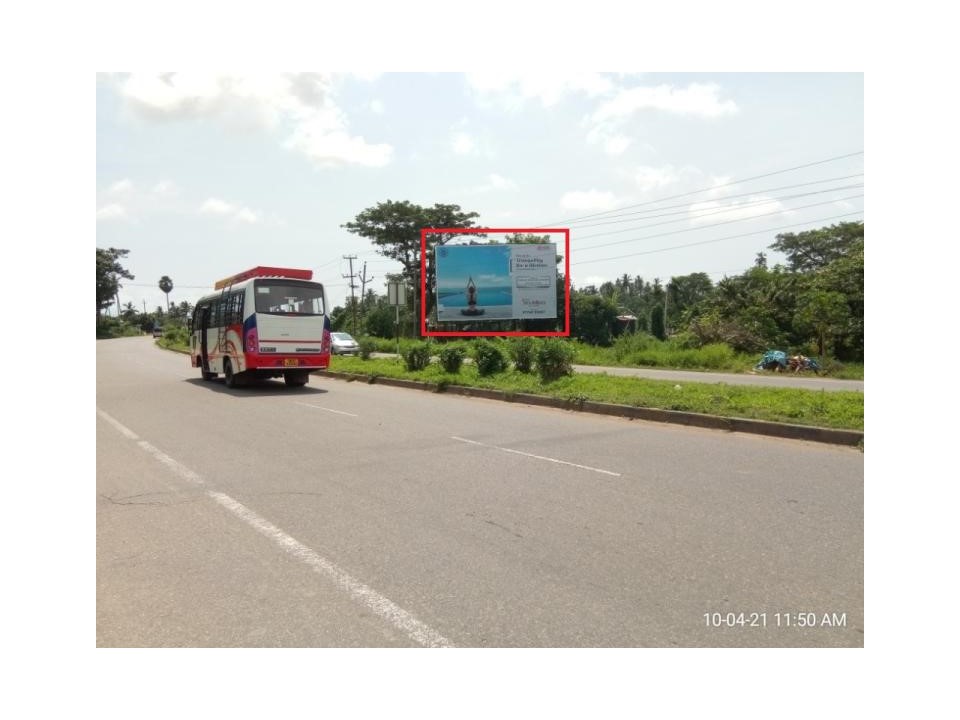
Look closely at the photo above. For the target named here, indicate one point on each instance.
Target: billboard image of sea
(474, 283)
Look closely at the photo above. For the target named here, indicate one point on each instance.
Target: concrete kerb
(713, 422)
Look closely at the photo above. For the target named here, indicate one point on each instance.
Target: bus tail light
(252, 340)
(325, 345)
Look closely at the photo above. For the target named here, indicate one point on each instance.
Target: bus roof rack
(263, 271)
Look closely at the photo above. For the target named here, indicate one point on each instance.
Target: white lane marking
(382, 606)
(538, 457)
(123, 430)
(320, 407)
(385, 608)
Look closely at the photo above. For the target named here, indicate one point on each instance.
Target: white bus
(263, 323)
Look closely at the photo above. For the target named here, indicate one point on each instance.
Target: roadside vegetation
(843, 410)
(544, 368)
(812, 304)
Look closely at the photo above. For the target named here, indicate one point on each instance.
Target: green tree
(129, 314)
(166, 285)
(657, 327)
(815, 249)
(686, 292)
(109, 273)
(381, 319)
(823, 313)
(593, 318)
(394, 228)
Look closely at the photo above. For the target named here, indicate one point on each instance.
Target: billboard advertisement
(496, 282)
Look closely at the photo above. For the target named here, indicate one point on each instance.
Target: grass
(843, 410)
(646, 351)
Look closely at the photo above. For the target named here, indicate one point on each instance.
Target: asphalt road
(355, 515)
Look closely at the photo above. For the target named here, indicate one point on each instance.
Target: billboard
(496, 282)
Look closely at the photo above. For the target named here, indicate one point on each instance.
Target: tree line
(814, 303)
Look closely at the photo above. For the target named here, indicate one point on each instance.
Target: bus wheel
(229, 377)
(296, 379)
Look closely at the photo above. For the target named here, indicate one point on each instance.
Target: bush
(523, 352)
(554, 360)
(451, 358)
(489, 358)
(367, 348)
(416, 356)
(630, 343)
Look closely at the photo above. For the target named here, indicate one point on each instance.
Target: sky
(201, 176)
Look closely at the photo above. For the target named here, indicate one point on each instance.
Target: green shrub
(451, 358)
(489, 358)
(367, 348)
(630, 343)
(416, 356)
(716, 356)
(554, 360)
(523, 352)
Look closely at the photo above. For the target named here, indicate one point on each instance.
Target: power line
(695, 215)
(727, 197)
(706, 242)
(725, 222)
(696, 192)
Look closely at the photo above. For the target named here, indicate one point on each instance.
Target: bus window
(286, 297)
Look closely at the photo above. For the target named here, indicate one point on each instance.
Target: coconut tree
(166, 285)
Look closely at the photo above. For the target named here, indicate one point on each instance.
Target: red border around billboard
(477, 333)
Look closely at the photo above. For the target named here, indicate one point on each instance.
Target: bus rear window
(286, 297)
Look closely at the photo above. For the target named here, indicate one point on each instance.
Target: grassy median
(842, 410)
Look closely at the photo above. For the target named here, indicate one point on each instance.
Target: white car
(343, 344)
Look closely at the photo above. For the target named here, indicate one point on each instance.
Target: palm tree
(166, 285)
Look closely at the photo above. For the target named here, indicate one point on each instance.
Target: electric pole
(363, 288)
(353, 301)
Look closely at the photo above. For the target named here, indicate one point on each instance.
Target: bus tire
(296, 379)
(229, 377)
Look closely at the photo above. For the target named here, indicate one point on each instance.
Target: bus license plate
(291, 361)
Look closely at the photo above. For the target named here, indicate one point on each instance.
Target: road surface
(355, 515)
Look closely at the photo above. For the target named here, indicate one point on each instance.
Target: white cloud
(695, 99)
(512, 89)
(121, 187)
(216, 206)
(712, 211)
(580, 200)
(377, 107)
(302, 101)
(608, 123)
(334, 147)
(613, 142)
(112, 211)
(463, 144)
(166, 188)
(651, 178)
(494, 183)
(595, 280)
(246, 215)
(498, 182)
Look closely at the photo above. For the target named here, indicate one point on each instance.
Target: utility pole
(666, 299)
(353, 301)
(363, 288)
